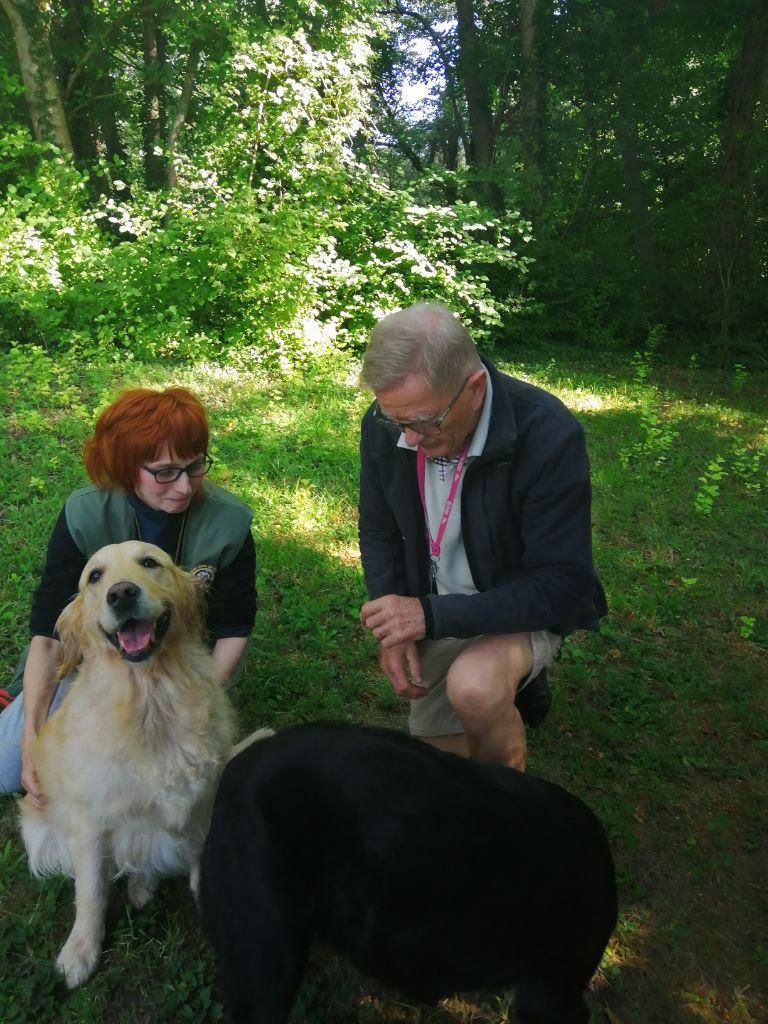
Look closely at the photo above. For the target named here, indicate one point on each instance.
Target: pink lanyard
(434, 542)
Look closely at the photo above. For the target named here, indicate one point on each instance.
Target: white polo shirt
(453, 575)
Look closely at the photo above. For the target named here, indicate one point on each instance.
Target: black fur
(434, 874)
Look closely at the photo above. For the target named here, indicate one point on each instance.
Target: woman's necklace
(180, 538)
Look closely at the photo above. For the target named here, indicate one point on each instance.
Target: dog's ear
(191, 595)
(69, 628)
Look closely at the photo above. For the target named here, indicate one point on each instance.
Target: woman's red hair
(136, 427)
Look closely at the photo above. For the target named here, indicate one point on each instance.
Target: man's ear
(476, 385)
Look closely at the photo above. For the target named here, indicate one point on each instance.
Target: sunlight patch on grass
(630, 938)
(280, 417)
(582, 400)
(346, 554)
(307, 510)
(705, 1004)
(301, 511)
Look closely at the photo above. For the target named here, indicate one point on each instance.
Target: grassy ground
(659, 722)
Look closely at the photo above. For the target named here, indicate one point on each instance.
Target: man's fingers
(371, 612)
(414, 663)
(416, 692)
(390, 638)
(409, 690)
(393, 667)
(398, 661)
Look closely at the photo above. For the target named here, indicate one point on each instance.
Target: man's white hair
(426, 339)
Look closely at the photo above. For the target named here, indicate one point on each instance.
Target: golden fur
(129, 763)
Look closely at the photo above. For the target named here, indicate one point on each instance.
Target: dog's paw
(77, 961)
(140, 891)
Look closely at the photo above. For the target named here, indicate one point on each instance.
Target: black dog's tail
(256, 923)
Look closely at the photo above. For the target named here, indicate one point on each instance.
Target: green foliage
(709, 486)
(391, 251)
(740, 377)
(747, 625)
(47, 240)
(277, 238)
(751, 467)
(657, 435)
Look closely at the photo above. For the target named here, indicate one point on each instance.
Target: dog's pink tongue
(136, 637)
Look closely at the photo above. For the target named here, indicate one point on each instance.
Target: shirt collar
(480, 435)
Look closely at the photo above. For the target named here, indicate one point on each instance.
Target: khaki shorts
(432, 715)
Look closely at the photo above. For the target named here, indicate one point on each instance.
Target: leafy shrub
(277, 238)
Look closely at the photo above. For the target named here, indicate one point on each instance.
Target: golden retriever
(129, 763)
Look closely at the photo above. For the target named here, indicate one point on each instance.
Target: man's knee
(492, 668)
(486, 676)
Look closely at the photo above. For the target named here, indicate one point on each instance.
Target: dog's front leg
(80, 953)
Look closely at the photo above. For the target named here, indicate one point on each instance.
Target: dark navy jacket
(525, 514)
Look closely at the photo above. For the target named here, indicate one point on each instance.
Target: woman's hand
(227, 653)
(29, 779)
(40, 675)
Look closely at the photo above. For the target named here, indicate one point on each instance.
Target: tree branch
(426, 25)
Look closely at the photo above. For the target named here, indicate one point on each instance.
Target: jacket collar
(502, 430)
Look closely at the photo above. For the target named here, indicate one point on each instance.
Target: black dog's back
(434, 874)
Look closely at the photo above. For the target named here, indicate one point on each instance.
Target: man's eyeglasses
(428, 426)
(170, 474)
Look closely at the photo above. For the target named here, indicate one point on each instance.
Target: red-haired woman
(147, 459)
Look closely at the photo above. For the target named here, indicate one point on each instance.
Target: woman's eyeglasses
(170, 474)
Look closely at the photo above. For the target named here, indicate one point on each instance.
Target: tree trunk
(76, 94)
(532, 96)
(88, 82)
(107, 138)
(731, 226)
(182, 111)
(154, 161)
(450, 145)
(30, 23)
(478, 103)
(626, 136)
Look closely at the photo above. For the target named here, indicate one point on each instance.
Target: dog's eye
(150, 563)
(95, 575)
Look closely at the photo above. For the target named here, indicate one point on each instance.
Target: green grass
(659, 722)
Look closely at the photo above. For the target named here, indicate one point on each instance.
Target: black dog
(434, 874)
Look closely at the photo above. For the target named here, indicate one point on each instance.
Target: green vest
(215, 529)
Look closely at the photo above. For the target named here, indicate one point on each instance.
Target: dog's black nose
(122, 596)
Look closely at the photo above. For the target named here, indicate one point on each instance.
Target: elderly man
(475, 534)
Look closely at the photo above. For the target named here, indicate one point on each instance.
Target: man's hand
(397, 663)
(394, 620)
